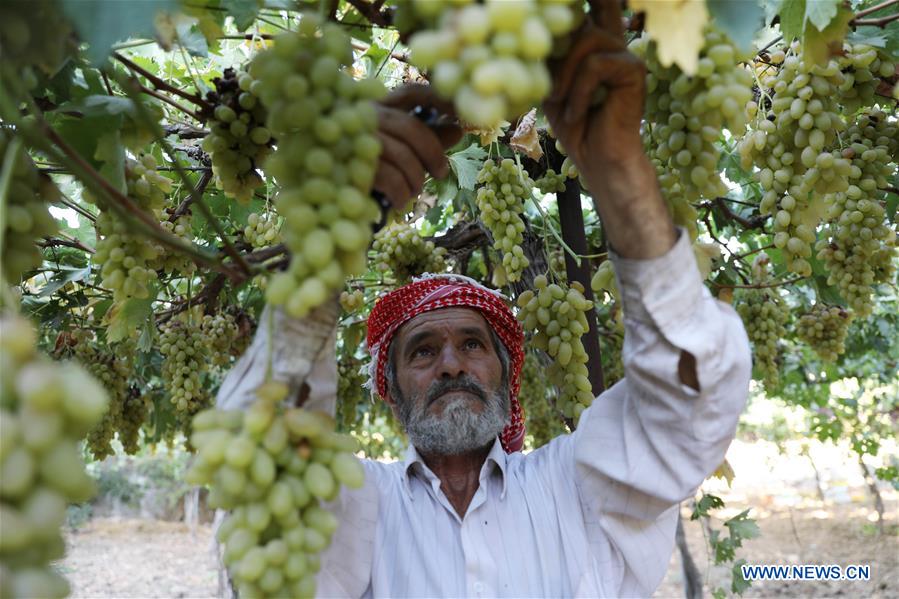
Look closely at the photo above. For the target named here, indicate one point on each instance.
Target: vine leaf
(821, 12)
(63, 278)
(676, 26)
(466, 163)
(124, 318)
(739, 20)
(817, 41)
(243, 11)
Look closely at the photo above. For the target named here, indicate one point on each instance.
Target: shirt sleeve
(648, 442)
(302, 355)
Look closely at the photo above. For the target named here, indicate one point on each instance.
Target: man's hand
(602, 134)
(411, 148)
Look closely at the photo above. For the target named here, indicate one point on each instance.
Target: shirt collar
(415, 464)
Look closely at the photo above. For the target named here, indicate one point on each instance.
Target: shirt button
(478, 587)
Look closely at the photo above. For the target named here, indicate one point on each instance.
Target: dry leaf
(526, 140)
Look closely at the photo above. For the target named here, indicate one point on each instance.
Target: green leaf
(193, 40)
(816, 43)
(85, 135)
(363, 31)
(706, 502)
(125, 318)
(243, 11)
(63, 278)
(740, 20)
(466, 164)
(739, 584)
(103, 23)
(821, 12)
(792, 19)
(742, 527)
(111, 153)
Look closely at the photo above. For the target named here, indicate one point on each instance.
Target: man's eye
(421, 351)
(473, 344)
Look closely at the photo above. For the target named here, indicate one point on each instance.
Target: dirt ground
(130, 558)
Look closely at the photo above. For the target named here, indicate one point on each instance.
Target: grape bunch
(401, 249)
(542, 420)
(33, 33)
(557, 317)
(175, 262)
(239, 141)
(27, 216)
(551, 182)
(112, 371)
(45, 409)
(272, 467)
(824, 329)
(487, 56)
(352, 301)
(133, 416)
(351, 391)
(687, 112)
(220, 331)
(128, 261)
(327, 154)
(681, 209)
(765, 316)
(858, 245)
(504, 187)
(186, 352)
(793, 146)
(862, 67)
(262, 230)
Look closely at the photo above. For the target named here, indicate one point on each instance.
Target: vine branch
(160, 84)
(759, 285)
(875, 8)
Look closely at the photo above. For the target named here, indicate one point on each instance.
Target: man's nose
(451, 362)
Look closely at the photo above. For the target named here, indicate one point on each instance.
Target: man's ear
(392, 403)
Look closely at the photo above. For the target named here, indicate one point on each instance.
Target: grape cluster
(134, 414)
(272, 467)
(401, 249)
(220, 331)
(326, 126)
(175, 262)
(27, 217)
(551, 182)
(504, 187)
(186, 352)
(862, 67)
(350, 392)
(858, 245)
(542, 420)
(793, 148)
(128, 261)
(238, 142)
(557, 317)
(489, 56)
(45, 409)
(112, 370)
(352, 301)
(688, 112)
(34, 33)
(681, 209)
(765, 316)
(262, 230)
(824, 329)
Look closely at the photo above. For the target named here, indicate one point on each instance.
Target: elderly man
(592, 513)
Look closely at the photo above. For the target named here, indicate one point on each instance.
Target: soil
(120, 557)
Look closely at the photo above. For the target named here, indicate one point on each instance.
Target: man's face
(451, 395)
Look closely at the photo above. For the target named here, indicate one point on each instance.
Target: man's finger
(391, 182)
(607, 15)
(592, 41)
(398, 154)
(619, 70)
(423, 142)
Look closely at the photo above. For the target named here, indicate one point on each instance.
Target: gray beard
(458, 429)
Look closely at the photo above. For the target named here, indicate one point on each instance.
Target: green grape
(501, 196)
(863, 67)
(27, 217)
(326, 125)
(551, 182)
(133, 416)
(543, 423)
(400, 249)
(556, 315)
(112, 370)
(175, 262)
(262, 230)
(824, 329)
(488, 57)
(765, 315)
(127, 261)
(239, 141)
(45, 409)
(271, 466)
(858, 246)
(793, 147)
(352, 301)
(186, 353)
(221, 332)
(34, 33)
(686, 113)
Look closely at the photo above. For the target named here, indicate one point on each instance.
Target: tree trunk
(875, 492)
(692, 577)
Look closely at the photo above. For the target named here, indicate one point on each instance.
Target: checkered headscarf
(433, 292)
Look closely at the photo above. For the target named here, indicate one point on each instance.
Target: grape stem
(72, 243)
(160, 84)
(756, 222)
(371, 11)
(894, 190)
(183, 207)
(169, 101)
(751, 252)
(80, 210)
(759, 285)
(881, 22)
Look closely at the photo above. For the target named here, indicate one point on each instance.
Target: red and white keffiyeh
(433, 292)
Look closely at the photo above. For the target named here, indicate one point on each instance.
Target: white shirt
(590, 514)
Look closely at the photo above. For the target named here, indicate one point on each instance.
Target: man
(592, 513)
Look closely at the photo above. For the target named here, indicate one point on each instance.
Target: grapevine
(556, 316)
(46, 409)
(501, 196)
(824, 329)
(238, 142)
(271, 467)
(401, 249)
(325, 123)
(27, 217)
